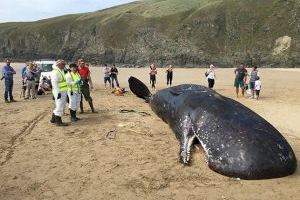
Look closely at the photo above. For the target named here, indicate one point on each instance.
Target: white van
(46, 67)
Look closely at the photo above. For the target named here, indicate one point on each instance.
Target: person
(37, 77)
(253, 75)
(30, 82)
(211, 76)
(240, 79)
(169, 75)
(59, 91)
(8, 72)
(257, 86)
(24, 69)
(106, 72)
(153, 73)
(114, 76)
(23, 86)
(44, 86)
(86, 79)
(73, 81)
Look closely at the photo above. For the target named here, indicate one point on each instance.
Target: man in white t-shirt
(211, 76)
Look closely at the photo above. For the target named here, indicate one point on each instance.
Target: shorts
(257, 92)
(106, 79)
(239, 83)
(251, 85)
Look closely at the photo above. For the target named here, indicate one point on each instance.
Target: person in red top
(86, 82)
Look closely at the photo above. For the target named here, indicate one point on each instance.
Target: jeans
(8, 89)
(114, 78)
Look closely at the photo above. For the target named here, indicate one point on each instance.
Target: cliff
(186, 33)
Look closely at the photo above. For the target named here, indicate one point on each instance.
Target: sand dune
(139, 159)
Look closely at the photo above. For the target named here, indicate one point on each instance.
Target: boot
(53, 119)
(12, 100)
(81, 107)
(73, 116)
(76, 116)
(92, 107)
(59, 122)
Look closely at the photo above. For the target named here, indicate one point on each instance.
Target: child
(257, 87)
(107, 74)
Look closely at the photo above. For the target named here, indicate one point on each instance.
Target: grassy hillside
(193, 32)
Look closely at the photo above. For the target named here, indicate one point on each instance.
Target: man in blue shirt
(8, 73)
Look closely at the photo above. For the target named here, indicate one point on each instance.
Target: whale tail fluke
(139, 88)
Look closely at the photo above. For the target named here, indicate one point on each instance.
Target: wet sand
(139, 158)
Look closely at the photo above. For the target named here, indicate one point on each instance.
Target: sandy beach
(138, 159)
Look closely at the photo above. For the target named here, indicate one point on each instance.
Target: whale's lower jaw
(233, 170)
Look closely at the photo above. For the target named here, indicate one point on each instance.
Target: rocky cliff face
(186, 33)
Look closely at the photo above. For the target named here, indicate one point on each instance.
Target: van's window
(46, 67)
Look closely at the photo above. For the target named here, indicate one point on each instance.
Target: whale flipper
(139, 88)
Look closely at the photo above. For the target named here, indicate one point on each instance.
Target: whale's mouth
(198, 148)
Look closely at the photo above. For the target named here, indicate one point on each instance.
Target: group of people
(30, 80)
(111, 76)
(70, 85)
(240, 81)
(153, 73)
(254, 83)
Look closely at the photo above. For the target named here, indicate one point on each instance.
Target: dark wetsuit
(169, 76)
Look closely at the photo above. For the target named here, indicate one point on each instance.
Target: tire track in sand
(7, 154)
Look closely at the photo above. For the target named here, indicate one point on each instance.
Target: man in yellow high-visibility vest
(73, 80)
(59, 91)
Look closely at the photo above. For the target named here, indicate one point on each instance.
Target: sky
(32, 10)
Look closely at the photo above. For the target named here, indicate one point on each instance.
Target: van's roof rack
(46, 59)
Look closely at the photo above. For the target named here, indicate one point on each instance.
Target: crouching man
(59, 91)
(73, 81)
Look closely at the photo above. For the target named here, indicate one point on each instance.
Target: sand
(139, 158)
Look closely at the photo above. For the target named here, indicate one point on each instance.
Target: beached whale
(238, 142)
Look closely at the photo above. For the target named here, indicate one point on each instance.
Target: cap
(60, 61)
